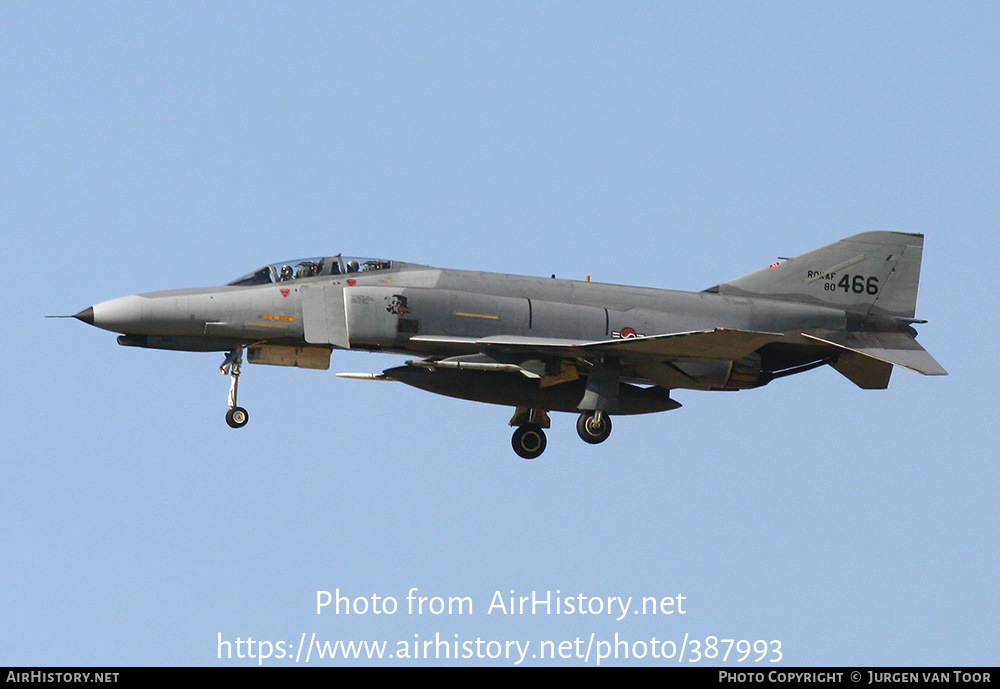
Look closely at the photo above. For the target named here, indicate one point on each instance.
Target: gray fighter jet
(542, 344)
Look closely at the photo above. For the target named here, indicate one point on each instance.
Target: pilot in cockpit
(306, 270)
(352, 266)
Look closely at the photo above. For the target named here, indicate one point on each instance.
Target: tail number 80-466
(859, 284)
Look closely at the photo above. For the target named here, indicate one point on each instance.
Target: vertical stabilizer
(873, 272)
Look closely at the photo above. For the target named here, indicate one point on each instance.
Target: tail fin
(874, 272)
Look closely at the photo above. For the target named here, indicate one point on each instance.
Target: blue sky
(159, 145)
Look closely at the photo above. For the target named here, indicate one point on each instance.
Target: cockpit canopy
(310, 268)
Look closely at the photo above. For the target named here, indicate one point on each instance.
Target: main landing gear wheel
(593, 427)
(237, 417)
(528, 441)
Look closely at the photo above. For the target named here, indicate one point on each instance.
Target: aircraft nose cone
(87, 315)
(122, 315)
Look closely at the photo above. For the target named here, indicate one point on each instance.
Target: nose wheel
(237, 416)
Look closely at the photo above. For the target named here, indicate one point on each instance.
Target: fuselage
(384, 309)
(401, 308)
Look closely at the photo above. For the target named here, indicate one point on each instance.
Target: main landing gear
(529, 439)
(593, 427)
(237, 416)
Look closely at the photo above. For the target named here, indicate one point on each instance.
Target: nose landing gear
(236, 416)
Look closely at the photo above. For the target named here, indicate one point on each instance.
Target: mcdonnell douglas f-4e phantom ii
(543, 344)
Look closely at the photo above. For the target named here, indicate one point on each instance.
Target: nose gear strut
(237, 416)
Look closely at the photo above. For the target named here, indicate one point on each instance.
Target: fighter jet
(543, 344)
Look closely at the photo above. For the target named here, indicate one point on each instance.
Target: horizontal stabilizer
(898, 349)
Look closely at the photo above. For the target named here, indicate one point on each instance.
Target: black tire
(591, 432)
(528, 441)
(237, 417)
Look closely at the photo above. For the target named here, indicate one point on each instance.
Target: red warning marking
(285, 291)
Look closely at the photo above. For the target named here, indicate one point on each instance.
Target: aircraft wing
(719, 343)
